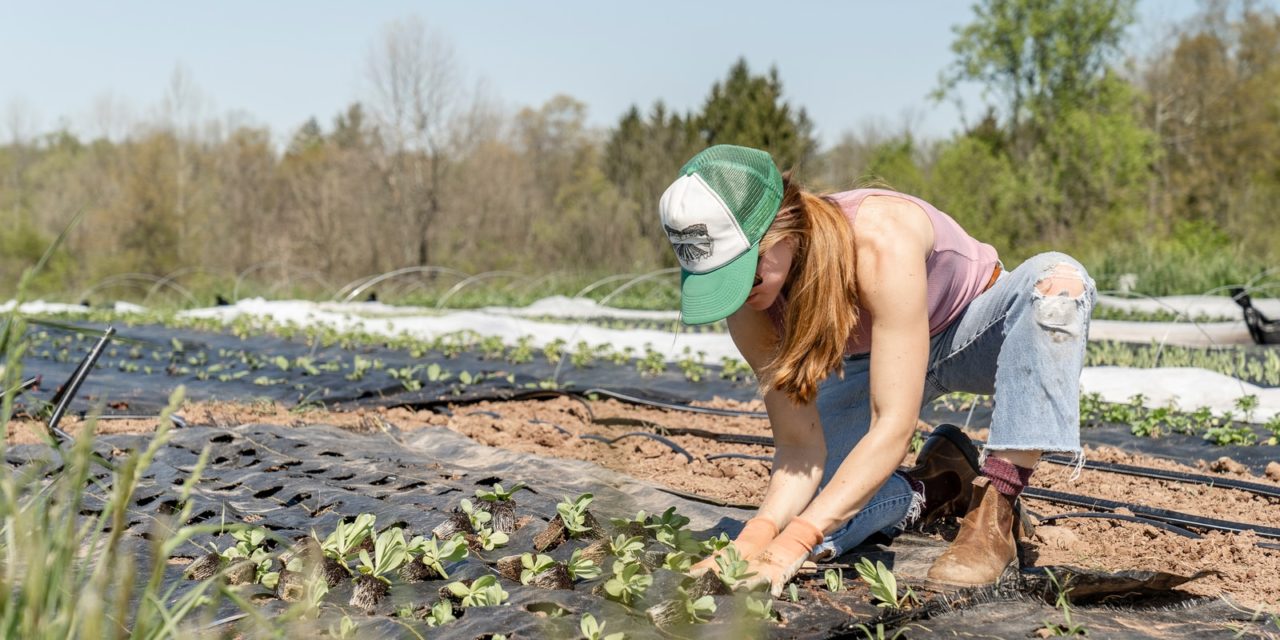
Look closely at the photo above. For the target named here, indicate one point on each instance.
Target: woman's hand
(783, 557)
(755, 535)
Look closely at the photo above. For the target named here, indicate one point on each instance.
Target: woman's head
(715, 214)
(745, 234)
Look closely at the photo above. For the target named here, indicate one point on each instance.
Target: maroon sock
(1007, 478)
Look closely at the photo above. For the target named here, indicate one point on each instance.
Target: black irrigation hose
(672, 406)
(643, 434)
(553, 426)
(1171, 528)
(1163, 515)
(704, 499)
(723, 438)
(1176, 476)
(739, 456)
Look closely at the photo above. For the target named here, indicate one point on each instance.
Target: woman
(806, 282)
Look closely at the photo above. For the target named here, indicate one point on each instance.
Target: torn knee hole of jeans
(1061, 314)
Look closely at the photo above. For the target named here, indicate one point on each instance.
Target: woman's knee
(1058, 274)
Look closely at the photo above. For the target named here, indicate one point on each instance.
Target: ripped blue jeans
(1025, 347)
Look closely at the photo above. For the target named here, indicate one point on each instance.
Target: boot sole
(1009, 573)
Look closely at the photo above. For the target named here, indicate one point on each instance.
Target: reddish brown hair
(821, 295)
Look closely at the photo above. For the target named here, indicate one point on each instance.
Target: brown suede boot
(985, 546)
(946, 466)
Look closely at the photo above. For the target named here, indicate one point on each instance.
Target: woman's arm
(893, 240)
(799, 447)
(892, 249)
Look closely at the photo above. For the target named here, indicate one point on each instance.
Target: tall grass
(67, 568)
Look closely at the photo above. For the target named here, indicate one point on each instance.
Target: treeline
(1167, 166)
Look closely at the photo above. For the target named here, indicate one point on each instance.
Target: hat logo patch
(691, 243)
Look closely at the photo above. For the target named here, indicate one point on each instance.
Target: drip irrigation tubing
(673, 406)
(642, 434)
(1163, 515)
(1171, 528)
(1175, 476)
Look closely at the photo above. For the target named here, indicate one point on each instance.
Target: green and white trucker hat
(715, 214)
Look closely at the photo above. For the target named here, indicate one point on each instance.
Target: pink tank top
(958, 269)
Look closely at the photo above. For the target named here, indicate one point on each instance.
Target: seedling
(683, 609)
(346, 628)
(488, 539)
(668, 529)
(346, 537)
(533, 565)
(435, 555)
(883, 585)
(733, 567)
(793, 592)
(554, 350)
(499, 494)
(628, 583)
(714, 544)
(522, 352)
(574, 515)
(359, 367)
(389, 552)
(441, 614)
(626, 549)
(834, 579)
(652, 363)
(592, 630)
(678, 561)
(478, 517)
(581, 568)
(1068, 628)
(482, 592)
(248, 548)
(760, 609)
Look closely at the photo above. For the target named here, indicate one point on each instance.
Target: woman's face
(771, 274)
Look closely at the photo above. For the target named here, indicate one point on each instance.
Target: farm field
(371, 439)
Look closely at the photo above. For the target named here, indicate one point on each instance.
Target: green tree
(749, 110)
(1040, 58)
(641, 157)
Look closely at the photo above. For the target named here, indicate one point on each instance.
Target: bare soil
(1250, 575)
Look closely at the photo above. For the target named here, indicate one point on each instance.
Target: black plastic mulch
(294, 480)
(221, 366)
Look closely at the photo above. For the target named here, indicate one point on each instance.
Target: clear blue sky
(278, 63)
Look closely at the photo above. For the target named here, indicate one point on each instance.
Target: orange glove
(755, 535)
(781, 559)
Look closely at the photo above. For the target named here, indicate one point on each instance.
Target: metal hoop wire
(356, 287)
(172, 277)
(137, 279)
(287, 268)
(488, 275)
(603, 281)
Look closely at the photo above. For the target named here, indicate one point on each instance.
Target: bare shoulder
(885, 220)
